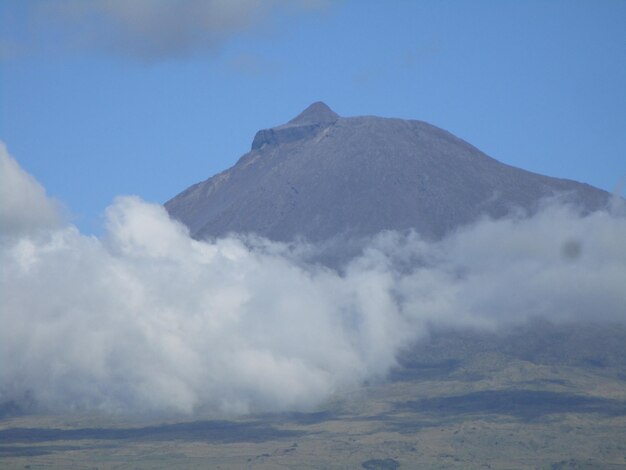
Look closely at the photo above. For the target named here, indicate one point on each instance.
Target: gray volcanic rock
(321, 175)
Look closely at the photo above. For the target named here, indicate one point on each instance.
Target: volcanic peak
(317, 113)
(308, 123)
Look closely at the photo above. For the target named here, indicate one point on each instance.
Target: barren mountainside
(321, 175)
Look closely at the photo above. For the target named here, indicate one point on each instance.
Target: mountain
(321, 175)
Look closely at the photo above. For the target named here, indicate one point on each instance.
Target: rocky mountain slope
(322, 175)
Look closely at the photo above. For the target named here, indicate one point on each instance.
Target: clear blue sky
(99, 99)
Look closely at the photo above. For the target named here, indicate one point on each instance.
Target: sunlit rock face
(321, 176)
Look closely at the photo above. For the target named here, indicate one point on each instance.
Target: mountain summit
(317, 113)
(321, 175)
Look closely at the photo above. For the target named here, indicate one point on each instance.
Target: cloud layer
(153, 30)
(146, 319)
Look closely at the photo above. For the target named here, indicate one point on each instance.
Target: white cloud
(147, 319)
(25, 206)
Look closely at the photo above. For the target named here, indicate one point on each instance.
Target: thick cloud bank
(147, 319)
(24, 206)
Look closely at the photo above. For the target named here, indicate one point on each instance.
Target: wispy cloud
(152, 30)
(147, 319)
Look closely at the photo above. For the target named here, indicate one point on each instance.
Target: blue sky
(98, 99)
